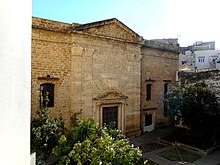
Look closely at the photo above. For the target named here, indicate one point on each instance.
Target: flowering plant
(97, 147)
(45, 133)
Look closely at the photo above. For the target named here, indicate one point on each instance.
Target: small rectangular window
(47, 95)
(148, 91)
(200, 60)
(165, 108)
(166, 88)
(148, 120)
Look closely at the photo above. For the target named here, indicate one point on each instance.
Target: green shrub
(94, 145)
(197, 107)
(83, 130)
(45, 133)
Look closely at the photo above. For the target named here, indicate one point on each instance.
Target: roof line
(84, 33)
(96, 23)
(51, 20)
(102, 22)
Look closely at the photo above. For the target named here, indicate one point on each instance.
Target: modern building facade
(207, 59)
(200, 55)
(95, 70)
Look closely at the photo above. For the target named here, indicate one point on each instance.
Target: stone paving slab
(212, 159)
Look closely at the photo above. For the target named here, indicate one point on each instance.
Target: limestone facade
(158, 70)
(95, 68)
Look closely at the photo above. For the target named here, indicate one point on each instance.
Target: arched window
(47, 95)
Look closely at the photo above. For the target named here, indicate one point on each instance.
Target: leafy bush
(83, 130)
(94, 145)
(197, 107)
(45, 133)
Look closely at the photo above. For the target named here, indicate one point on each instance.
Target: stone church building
(102, 70)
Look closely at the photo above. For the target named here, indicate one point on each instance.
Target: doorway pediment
(112, 95)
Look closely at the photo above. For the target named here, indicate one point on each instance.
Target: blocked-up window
(47, 95)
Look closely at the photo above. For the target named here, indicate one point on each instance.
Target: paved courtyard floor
(150, 150)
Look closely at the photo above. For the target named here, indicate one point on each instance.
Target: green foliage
(197, 107)
(44, 134)
(83, 130)
(96, 146)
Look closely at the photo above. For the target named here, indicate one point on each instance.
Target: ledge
(150, 80)
(149, 109)
(161, 46)
(188, 148)
(48, 78)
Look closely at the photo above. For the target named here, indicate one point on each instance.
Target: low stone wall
(209, 77)
(188, 148)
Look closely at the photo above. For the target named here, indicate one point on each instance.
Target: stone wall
(209, 77)
(158, 67)
(51, 63)
(162, 45)
(49, 24)
(98, 65)
(101, 66)
(84, 67)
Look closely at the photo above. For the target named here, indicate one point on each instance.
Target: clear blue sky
(187, 20)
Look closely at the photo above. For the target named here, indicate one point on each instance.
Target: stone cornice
(49, 25)
(111, 95)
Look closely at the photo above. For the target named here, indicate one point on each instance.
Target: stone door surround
(111, 99)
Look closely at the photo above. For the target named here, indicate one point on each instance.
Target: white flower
(132, 145)
(100, 163)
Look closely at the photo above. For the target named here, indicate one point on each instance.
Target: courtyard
(152, 151)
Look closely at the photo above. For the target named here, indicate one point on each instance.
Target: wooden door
(110, 116)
